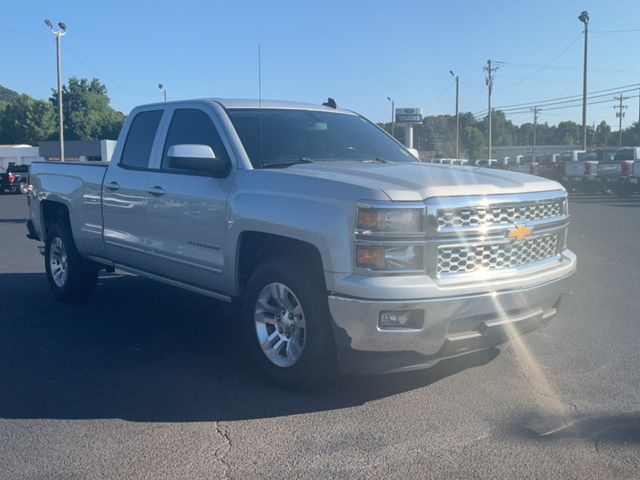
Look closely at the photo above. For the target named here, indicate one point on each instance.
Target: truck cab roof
(246, 103)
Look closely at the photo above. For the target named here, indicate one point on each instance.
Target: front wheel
(70, 277)
(287, 324)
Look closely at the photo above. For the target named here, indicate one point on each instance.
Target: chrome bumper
(452, 325)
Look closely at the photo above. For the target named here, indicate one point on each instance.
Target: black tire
(82, 275)
(623, 191)
(317, 363)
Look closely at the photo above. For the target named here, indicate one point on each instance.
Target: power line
(540, 102)
(544, 66)
(565, 107)
(591, 97)
(112, 83)
(616, 31)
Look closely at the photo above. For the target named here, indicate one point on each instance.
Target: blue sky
(358, 52)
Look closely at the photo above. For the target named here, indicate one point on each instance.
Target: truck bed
(78, 185)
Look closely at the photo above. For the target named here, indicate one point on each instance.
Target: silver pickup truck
(342, 249)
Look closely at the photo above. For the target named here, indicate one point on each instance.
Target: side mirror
(199, 158)
(414, 152)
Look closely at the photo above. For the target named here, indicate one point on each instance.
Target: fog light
(402, 319)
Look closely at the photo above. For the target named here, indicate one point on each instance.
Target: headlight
(399, 221)
(405, 258)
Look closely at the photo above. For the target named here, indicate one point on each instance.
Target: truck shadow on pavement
(142, 351)
(601, 428)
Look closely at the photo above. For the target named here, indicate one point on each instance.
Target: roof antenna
(331, 103)
(259, 108)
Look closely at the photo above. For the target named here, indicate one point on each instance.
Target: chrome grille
(483, 215)
(469, 235)
(495, 256)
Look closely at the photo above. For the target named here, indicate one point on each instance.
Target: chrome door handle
(113, 186)
(156, 191)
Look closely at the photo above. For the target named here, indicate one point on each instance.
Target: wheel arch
(51, 212)
(255, 246)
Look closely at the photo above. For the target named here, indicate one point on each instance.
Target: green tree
(87, 111)
(472, 141)
(631, 135)
(6, 94)
(567, 133)
(25, 120)
(603, 134)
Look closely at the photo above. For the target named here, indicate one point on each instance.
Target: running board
(174, 283)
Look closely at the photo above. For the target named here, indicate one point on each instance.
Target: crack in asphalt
(532, 384)
(221, 454)
(223, 450)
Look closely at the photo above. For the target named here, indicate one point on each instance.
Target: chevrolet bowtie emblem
(520, 233)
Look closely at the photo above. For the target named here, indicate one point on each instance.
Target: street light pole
(457, 112)
(584, 18)
(62, 29)
(164, 91)
(393, 117)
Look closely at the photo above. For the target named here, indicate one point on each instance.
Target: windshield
(279, 137)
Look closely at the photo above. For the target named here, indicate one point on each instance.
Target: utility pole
(393, 117)
(489, 80)
(164, 91)
(620, 115)
(457, 112)
(584, 18)
(62, 29)
(535, 111)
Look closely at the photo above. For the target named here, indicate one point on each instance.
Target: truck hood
(419, 181)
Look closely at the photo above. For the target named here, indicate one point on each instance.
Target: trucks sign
(409, 115)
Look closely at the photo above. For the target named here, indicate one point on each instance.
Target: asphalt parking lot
(148, 381)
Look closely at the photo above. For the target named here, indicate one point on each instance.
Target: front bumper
(452, 325)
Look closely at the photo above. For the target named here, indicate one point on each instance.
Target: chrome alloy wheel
(58, 262)
(280, 324)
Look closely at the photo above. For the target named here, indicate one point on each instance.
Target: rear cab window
(142, 132)
(624, 154)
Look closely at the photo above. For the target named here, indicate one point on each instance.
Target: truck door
(186, 209)
(125, 191)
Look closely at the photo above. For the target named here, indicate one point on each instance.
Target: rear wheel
(287, 325)
(623, 190)
(70, 277)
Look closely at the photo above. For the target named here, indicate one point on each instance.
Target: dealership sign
(409, 115)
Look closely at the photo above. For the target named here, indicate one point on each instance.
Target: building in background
(18, 155)
(78, 150)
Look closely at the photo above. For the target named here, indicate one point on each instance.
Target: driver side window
(192, 126)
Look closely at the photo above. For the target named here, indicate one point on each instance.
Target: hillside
(6, 94)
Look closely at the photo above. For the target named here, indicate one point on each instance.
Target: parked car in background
(592, 158)
(571, 168)
(487, 162)
(342, 249)
(548, 166)
(522, 164)
(619, 173)
(13, 177)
